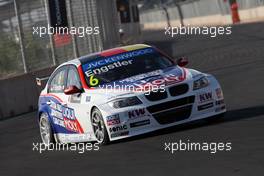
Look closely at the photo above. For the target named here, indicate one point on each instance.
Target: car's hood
(134, 84)
(166, 76)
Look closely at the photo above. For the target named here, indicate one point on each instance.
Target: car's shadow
(232, 115)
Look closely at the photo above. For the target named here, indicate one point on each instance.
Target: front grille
(173, 115)
(178, 89)
(172, 111)
(205, 106)
(171, 104)
(155, 96)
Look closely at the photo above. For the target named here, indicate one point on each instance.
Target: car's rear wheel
(46, 132)
(99, 127)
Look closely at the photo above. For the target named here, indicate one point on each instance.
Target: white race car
(123, 92)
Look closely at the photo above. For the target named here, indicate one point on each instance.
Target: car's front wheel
(45, 130)
(99, 128)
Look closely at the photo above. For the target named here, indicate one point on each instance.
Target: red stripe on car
(112, 52)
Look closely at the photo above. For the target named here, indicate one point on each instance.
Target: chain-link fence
(21, 51)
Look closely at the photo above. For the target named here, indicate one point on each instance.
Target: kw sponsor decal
(205, 97)
(113, 120)
(136, 113)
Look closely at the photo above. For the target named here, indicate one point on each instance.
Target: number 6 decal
(93, 81)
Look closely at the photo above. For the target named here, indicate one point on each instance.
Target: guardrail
(20, 94)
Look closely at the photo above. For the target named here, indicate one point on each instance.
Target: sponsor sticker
(136, 113)
(159, 81)
(205, 97)
(113, 120)
(140, 123)
(58, 122)
(124, 133)
(106, 68)
(219, 93)
(64, 117)
(72, 125)
(75, 98)
(120, 57)
(205, 106)
(219, 102)
(88, 98)
(142, 76)
(118, 128)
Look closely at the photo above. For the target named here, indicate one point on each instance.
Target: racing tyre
(46, 132)
(99, 128)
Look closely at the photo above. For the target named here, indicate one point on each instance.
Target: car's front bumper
(136, 120)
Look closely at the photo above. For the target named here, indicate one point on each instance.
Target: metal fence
(21, 51)
(192, 8)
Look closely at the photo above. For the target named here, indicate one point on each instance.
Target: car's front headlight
(124, 102)
(200, 83)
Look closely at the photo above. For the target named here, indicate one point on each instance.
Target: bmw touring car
(124, 92)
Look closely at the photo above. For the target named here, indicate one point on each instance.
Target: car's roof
(106, 53)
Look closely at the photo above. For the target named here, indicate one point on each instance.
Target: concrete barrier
(246, 15)
(20, 94)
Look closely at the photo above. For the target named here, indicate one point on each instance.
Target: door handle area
(62, 103)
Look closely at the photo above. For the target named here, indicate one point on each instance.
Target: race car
(124, 92)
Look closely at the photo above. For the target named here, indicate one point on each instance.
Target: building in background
(129, 21)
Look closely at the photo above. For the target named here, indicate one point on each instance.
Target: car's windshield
(113, 68)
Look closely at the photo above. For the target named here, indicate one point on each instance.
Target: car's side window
(73, 78)
(57, 83)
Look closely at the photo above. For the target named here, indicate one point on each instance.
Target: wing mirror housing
(72, 90)
(183, 61)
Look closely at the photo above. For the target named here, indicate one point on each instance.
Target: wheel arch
(104, 119)
(50, 120)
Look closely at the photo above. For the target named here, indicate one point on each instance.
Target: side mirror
(183, 61)
(72, 90)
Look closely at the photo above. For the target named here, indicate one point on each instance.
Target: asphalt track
(238, 63)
